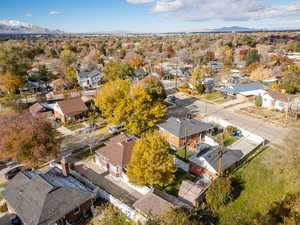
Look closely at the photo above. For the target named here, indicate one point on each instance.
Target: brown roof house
(276, 100)
(179, 131)
(54, 197)
(72, 109)
(155, 203)
(115, 156)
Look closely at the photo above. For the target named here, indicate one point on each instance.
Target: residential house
(216, 66)
(242, 91)
(240, 64)
(155, 203)
(210, 159)
(90, 79)
(39, 110)
(139, 74)
(115, 156)
(181, 132)
(276, 100)
(31, 87)
(52, 198)
(69, 110)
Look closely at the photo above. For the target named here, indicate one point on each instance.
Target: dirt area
(271, 116)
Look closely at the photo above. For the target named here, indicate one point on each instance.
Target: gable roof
(41, 199)
(72, 106)
(212, 154)
(92, 73)
(184, 127)
(244, 88)
(118, 150)
(191, 191)
(280, 96)
(155, 203)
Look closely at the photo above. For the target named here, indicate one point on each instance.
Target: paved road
(188, 104)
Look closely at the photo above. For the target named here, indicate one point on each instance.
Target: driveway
(187, 104)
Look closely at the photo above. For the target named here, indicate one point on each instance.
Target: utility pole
(186, 139)
(221, 152)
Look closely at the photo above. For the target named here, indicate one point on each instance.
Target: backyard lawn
(180, 175)
(74, 126)
(228, 140)
(262, 188)
(181, 153)
(215, 97)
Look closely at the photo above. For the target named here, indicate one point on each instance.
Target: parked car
(115, 129)
(15, 220)
(13, 172)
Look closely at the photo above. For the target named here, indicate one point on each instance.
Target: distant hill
(18, 27)
(233, 29)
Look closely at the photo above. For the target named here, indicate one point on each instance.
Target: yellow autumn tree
(11, 82)
(136, 63)
(142, 111)
(260, 73)
(72, 76)
(151, 163)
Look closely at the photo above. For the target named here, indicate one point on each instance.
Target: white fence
(253, 137)
(210, 141)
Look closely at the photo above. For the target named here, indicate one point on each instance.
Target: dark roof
(118, 150)
(92, 73)
(155, 203)
(184, 127)
(41, 199)
(280, 96)
(244, 87)
(72, 106)
(213, 154)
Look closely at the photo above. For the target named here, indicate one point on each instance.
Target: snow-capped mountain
(18, 27)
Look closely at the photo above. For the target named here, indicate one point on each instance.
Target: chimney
(65, 167)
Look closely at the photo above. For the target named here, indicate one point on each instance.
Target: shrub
(258, 101)
(231, 130)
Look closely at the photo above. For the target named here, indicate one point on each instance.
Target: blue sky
(152, 15)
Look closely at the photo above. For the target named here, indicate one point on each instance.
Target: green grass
(181, 153)
(180, 175)
(216, 97)
(3, 184)
(228, 140)
(261, 189)
(74, 126)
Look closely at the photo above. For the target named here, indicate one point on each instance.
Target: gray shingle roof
(92, 73)
(184, 127)
(212, 156)
(244, 87)
(40, 199)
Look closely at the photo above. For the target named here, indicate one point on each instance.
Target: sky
(152, 15)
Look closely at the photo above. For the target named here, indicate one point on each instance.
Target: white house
(276, 100)
(90, 79)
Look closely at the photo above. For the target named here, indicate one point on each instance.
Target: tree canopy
(11, 82)
(151, 163)
(291, 79)
(116, 69)
(27, 139)
(154, 87)
(198, 76)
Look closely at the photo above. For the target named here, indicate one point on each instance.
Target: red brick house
(115, 156)
(179, 132)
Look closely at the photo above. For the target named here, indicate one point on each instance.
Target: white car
(115, 129)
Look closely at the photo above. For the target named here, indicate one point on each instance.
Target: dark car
(13, 172)
(15, 220)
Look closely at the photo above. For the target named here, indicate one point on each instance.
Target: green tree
(197, 80)
(116, 69)
(151, 163)
(252, 57)
(219, 193)
(154, 88)
(258, 101)
(67, 58)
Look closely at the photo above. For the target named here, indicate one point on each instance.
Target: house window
(76, 211)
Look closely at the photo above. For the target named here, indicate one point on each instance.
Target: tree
(258, 101)
(151, 163)
(252, 57)
(231, 130)
(72, 75)
(117, 69)
(197, 80)
(154, 87)
(291, 79)
(136, 63)
(11, 83)
(67, 58)
(261, 73)
(219, 193)
(112, 100)
(142, 112)
(27, 139)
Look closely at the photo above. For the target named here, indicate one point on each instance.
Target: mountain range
(18, 27)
